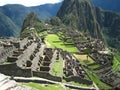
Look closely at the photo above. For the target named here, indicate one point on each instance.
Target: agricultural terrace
(97, 81)
(58, 68)
(87, 61)
(44, 87)
(53, 41)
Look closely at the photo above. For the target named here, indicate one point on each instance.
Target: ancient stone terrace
(111, 78)
(83, 45)
(5, 51)
(32, 59)
(73, 70)
(96, 45)
(100, 58)
(36, 61)
(105, 70)
(23, 58)
(9, 48)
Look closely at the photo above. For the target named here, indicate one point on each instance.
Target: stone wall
(46, 75)
(78, 79)
(12, 59)
(14, 70)
(44, 68)
(23, 42)
(5, 52)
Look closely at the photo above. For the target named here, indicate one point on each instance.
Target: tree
(55, 21)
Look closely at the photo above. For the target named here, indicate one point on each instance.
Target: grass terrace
(96, 80)
(44, 87)
(58, 68)
(93, 66)
(53, 41)
(116, 65)
(83, 59)
(90, 63)
(79, 84)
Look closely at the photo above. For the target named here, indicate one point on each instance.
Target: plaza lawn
(53, 41)
(40, 87)
(83, 59)
(90, 63)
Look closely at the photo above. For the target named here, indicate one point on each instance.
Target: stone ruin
(73, 70)
(104, 60)
(5, 51)
(30, 57)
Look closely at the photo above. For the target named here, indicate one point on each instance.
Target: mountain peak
(81, 15)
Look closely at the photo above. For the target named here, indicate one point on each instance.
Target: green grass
(76, 83)
(7, 62)
(48, 87)
(58, 68)
(116, 64)
(94, 66)
(79, 84)
(83, 59)
(97, 81)
(81, 39)
(53, 41)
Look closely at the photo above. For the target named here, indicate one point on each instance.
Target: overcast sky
(28, 2)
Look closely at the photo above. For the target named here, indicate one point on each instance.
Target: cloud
(28, 2)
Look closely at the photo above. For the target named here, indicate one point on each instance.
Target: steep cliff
(80, 14)
(7, 27)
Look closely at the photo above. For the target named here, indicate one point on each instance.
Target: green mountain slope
(113, 5)
(17, 13)
(80, 14)
(110, 23)
(7, 27)
(30, 23)
(46, 11)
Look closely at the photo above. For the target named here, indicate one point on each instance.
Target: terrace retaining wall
(46, 75)
(78, 79)
(14, 70)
